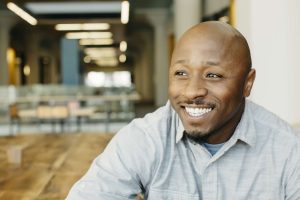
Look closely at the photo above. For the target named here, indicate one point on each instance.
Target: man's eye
(180, 73)
(213, 75)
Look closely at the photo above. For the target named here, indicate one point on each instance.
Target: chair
(56, 113)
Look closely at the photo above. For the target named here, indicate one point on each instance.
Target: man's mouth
(197, 112)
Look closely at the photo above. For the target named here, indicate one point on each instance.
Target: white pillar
(186, 14)
(159, 19)
(272, 29)
(6, 21)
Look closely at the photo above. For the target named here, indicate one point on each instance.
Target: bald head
(230, 40)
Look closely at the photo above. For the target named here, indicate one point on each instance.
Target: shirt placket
(209, 182)
(209, 176)
(207, 169)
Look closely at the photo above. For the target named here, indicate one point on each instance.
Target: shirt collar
(245, 131)
(180, 129)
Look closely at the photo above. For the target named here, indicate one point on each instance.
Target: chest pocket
(155, 194)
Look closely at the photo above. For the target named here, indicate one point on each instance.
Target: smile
(197, 112)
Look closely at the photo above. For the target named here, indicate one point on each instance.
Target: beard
(197, 137)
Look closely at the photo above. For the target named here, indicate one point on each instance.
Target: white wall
(272, 29)
(187, 13)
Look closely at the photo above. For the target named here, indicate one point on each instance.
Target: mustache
(200, 101)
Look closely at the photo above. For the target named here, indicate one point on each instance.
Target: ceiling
(134, 3)
(121, 32)
(61, 16)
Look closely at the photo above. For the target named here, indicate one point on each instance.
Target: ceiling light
(84, 27)
(105, 41)
(100, 52)
(107, 62)
(74, 7)
(26, 70)
(122, 58)
(125, 12)
(224, 19)
(87, 59)
(123, 46)
(86, 35)
(21, 13)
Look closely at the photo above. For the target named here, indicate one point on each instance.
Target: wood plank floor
(50, 164)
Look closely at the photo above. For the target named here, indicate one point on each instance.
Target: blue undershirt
(213, 148)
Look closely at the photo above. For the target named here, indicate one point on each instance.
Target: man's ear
(249, 82)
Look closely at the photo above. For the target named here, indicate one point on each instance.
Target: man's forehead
(210, 48)
(215, 27)
(184, 61)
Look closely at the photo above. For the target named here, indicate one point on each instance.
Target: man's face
(208, 85)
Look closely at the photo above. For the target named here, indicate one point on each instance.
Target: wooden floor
(50, 164)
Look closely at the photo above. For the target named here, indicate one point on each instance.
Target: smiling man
(208, 142)
(210, 76)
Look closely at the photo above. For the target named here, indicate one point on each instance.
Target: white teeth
(197, 112)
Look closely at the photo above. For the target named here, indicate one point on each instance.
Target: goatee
(197, 137)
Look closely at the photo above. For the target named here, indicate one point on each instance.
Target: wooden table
(50, 164)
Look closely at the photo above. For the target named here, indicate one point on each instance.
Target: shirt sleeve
(121, 171)
(293, 180)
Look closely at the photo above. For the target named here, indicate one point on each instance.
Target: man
(208, 142)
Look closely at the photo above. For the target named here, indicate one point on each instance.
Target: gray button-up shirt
(151, 155)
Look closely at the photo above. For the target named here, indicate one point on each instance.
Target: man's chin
(197, 136)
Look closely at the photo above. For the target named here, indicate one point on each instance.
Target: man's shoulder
(271, 125)
(156, 120)
(155, 125)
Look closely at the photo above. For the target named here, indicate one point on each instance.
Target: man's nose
(196, 88)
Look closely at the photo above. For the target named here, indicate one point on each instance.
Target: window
(108, 79)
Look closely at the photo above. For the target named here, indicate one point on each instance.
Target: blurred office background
(81, 66)
(72, 73)
(74, 63)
